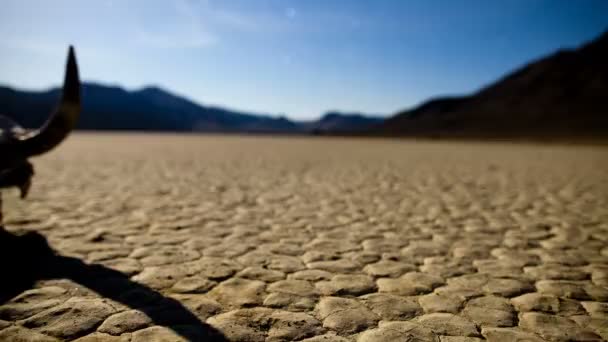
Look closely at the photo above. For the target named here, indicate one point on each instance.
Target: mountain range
(562, 95)
(154, 109)
(148, 109)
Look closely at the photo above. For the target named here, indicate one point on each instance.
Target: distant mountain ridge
(154, 109)
(334, 122)
(562, 95)
(147, 109)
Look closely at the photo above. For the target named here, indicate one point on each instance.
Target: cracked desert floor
(317, 239)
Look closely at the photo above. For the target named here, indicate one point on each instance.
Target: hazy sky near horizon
(298, 58)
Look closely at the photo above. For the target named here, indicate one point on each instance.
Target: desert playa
(212, 238)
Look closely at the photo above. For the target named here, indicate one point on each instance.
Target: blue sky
(299, 58)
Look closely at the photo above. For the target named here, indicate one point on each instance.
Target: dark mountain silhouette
(562, 95)
(335, 123)
(154, 109)
(148, 109)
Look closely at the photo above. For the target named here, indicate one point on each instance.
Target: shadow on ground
(27, 258)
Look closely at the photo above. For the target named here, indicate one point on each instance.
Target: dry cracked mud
(280, 239)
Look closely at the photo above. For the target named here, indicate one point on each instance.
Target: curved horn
(63, 120)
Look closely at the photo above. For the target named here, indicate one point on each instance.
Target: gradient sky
(299, 58)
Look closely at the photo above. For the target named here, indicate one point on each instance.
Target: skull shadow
(28, 258)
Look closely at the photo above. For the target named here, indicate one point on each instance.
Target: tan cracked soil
(273, 238)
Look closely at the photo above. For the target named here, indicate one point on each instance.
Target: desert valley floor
(167, 237)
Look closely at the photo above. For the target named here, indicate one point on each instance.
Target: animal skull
(18, 144)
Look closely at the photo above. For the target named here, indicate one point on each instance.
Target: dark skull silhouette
(18, 144)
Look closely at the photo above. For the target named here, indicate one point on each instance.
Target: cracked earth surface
(279, 239)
